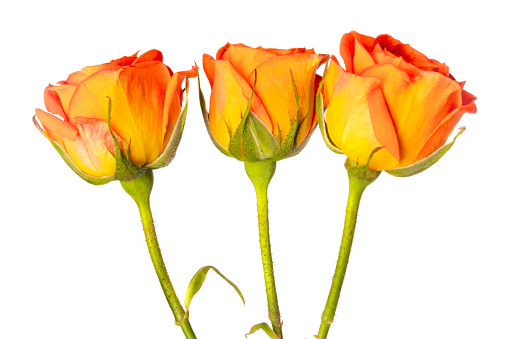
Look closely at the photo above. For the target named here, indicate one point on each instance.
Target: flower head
(145, 115)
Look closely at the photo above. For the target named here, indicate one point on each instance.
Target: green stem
(139, 189)
(357, 187)
(260, 174)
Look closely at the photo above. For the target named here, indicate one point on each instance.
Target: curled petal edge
(205, 114)
(425, 163)
(320, 113)
(88, 178)
(171, 148)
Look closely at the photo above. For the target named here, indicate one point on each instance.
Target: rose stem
(260, 174)
(356, 189)
(139, 189)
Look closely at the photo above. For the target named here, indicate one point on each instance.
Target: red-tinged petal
(358, 120)
(137, 98)
(209, 66)
(467, 101)
(245, 59)
(347, 47)
(275, 89)
(173, 102)
(361, 59)
(417, 106)
(65, 94)
(152, 55)
(77, 77)
(281, 52)
(54, 125)
(52, 103)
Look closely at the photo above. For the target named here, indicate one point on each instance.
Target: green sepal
(88, 178)
(425, 163)
(289, 146)
(320, 114)
(197, 281)
(266, 328)
(252, 140)
(205, 115)
(125, 170)
(171, 148)
(363, 173)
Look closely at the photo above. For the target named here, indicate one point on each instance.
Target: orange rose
(390, 96)
(146, 115)
(264, 79)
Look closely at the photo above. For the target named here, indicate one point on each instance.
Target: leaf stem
(139, 189)
(356, 189)
(260, 174)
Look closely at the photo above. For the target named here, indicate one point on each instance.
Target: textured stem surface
(260, 174)
(357, 187)
(139, 189)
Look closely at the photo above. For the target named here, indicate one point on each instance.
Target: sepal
(320, 114)
(197, 282)
(171, 148)
(88, 178)
(125, 170)
(266, 328)
(362, 173)
(205, 115)
(425, 163)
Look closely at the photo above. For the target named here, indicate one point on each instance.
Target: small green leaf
(171, 148)
(425, 163)
(88, 178)
(321, 116)
(205, 114)
(266, 328)
(197, 281)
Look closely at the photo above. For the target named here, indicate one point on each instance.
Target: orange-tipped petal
(362, 59)
(52, 103)
(209, 65)
(173, 102)
(152, 55)
(347, 47)
(65, 94)
(417, 106)
(275, 89)
(137, 98)
(358, 120)
(228, 102)
(54, 125)
(245, 59)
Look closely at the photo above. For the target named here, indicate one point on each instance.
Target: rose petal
(347, 47)
(245, 59)
(275, 89)
(417, 106)
(358, 120)
(56, 126)
(137, 97)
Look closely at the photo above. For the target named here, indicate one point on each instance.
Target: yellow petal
(417, 105)
(358, 120)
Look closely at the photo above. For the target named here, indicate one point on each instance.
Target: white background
(430, 255)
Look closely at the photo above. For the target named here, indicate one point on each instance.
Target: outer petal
(275, 89)
(64, 93)
(351, 44)
(53, 103)
(358, 120)
(173, 102)
(56, 128)
(417, 106)
(91, 150)
(137, 97)
(245, 59)
(227, 103)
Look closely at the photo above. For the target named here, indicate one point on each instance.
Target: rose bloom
(390, 96)
(232, 78)
(146, 102)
